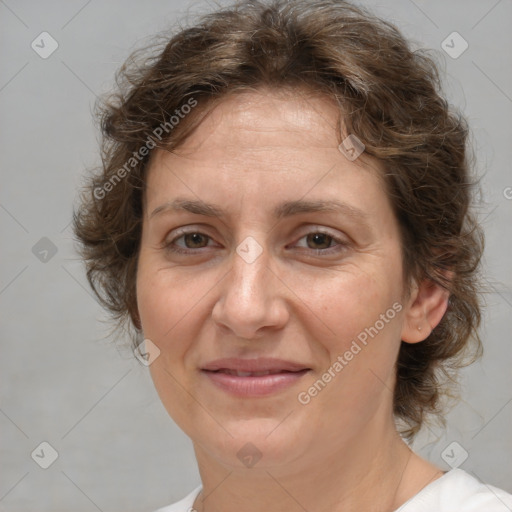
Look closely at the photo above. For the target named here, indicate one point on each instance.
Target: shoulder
(184, 505)
(458, 490)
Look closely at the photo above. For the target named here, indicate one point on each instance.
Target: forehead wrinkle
(238, 115)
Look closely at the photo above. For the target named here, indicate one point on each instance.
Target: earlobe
(427, 305)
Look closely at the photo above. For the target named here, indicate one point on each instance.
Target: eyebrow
(286, 209)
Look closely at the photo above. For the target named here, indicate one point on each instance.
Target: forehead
(272, 143)
(266, 118)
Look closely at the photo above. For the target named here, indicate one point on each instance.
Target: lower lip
(254, 386)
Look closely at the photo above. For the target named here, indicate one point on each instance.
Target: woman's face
(265, 250)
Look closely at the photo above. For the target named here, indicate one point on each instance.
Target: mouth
(240, 373)
(253, 377)
(263, 365)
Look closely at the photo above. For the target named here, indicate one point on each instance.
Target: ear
(425, 308)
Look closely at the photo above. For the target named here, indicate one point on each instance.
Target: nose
(251, 301)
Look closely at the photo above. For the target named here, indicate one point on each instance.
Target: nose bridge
(249, 274)
(249, 300)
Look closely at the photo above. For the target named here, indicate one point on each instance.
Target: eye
(188, 242)
(195, 240)
(321, 242)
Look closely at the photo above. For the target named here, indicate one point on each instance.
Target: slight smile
(253, 377)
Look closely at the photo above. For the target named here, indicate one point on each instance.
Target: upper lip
(262, 364)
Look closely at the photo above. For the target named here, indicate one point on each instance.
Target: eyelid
(333, 233)
(187, 229)
(318, 228)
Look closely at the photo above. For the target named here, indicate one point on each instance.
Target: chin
(256, 444)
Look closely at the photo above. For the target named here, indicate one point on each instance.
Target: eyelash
(340, 244)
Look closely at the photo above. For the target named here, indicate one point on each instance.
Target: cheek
(161, 294)
(363, 313)
(153, 301)
(169, 308)
(350, 303)
(166, 302)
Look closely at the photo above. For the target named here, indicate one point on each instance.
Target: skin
(341, 451)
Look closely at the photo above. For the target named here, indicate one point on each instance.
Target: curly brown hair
(389, 96)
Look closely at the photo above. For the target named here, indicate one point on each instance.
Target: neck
(372, 473)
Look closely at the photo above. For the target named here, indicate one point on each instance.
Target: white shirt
(455, 491)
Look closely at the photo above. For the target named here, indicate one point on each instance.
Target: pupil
(319, 239)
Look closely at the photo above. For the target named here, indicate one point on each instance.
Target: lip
(260, 364)
(274, 375)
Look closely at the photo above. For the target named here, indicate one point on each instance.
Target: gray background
(63, 380)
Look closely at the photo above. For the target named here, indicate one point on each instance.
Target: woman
(283, 216)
